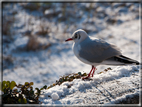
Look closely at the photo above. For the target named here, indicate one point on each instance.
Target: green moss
(19, 94)
(69, 78)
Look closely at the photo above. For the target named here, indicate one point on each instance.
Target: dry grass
(34, 44)
(43, 31)
(7, 24)
(31, 6)
(7, 61)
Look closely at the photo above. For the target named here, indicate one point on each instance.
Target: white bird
(96, 52)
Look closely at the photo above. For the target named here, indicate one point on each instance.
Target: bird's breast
(76, 48)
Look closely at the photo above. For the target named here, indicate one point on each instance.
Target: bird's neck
(86, 39)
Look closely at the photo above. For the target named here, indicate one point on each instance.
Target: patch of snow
(54, 96)
(79, 88)
(21, 41)
(123, 97)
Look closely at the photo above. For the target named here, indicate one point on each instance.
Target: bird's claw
(87, 77)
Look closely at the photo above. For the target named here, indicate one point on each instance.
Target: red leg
(93, 71)
(88, 74)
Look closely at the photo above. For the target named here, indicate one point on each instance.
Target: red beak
(68, 39)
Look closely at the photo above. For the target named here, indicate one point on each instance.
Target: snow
(124, 97)
(45, 66)
(54, 96)
(81, 91)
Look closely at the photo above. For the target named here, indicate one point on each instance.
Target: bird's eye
(75, 35)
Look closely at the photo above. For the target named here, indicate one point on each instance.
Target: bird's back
(97, 50)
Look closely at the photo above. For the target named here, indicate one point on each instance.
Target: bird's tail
(126, 60)
(120, 60)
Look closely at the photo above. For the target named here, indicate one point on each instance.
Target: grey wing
(97, 50)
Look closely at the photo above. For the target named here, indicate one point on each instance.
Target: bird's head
(78, 36)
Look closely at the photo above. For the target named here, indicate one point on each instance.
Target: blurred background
(34, 34)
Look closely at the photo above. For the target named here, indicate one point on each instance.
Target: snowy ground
(29, 28)
(110, 87)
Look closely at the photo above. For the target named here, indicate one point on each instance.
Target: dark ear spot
(75, 35)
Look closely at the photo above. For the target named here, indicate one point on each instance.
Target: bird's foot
(87, 77)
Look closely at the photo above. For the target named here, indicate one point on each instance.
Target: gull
(96, 52)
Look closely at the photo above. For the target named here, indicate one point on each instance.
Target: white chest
(76, 48)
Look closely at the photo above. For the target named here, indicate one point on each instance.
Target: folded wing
(97, 50)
